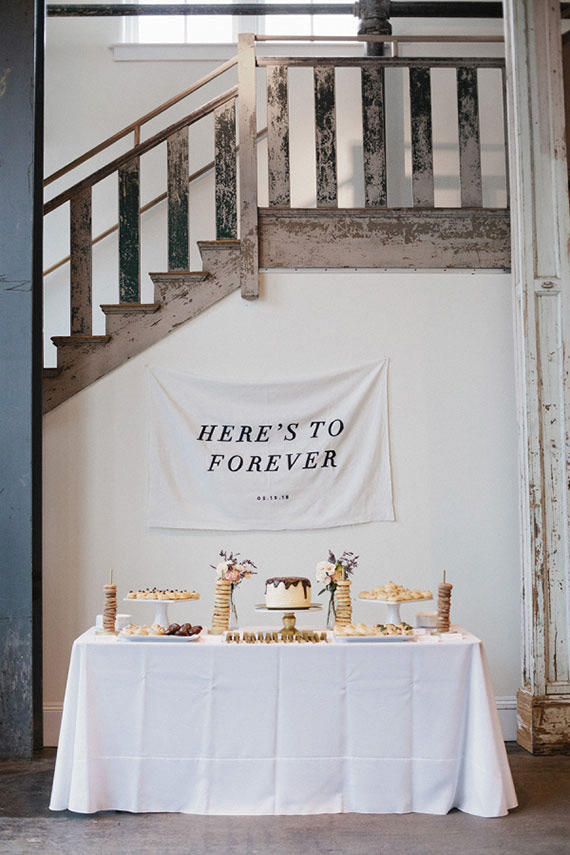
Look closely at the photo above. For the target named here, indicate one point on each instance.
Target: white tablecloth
(212, 728)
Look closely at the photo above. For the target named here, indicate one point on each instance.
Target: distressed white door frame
(540, 227)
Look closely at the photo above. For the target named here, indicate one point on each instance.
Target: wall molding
(506, 707)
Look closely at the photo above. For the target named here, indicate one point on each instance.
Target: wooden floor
(539, 826)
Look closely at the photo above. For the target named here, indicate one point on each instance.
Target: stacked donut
(110, 608)
(343, 604)
(221, 618)
(443, 605)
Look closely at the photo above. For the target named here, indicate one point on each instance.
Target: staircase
(279, 236)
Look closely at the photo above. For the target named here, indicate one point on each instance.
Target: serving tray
(162, 638)
(349, 639)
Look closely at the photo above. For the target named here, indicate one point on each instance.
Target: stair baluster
(469, 138)
(374, 137)
(422, 141)
(129, 232)
(279, 180)
(325, 136)
(225, 167)
(178, 201)
(80, 307)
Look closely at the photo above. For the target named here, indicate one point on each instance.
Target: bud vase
(343, 614)
(331, 610)
(233, 618)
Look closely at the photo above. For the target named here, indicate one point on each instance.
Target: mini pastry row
(162, 594)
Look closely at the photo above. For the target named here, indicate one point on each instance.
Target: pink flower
(232, 575)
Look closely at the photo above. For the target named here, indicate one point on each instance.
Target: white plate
(161, 638)
(394, 602)
(342, 639)
(261, 607)
(159, 600)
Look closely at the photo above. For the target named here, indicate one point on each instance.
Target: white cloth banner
(310, 453)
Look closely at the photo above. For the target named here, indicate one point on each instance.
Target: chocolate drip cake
(287, 592)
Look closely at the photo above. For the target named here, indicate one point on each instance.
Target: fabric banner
(302, 454)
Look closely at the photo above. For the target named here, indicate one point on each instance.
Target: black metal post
(373, 21)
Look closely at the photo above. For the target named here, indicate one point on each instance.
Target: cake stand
(394, 608)
(161, 607)
(288, 629)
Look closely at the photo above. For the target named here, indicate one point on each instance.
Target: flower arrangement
(234, 572)
(333, 571)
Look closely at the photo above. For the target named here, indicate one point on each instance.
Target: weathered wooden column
(540, 229)
(21, 138)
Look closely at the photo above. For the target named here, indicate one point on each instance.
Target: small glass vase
(233, 620)
(331, 611)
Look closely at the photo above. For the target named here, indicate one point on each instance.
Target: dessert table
(215, 728)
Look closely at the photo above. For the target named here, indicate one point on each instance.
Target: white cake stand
(161, 607)
(288, 628)
(394, 608)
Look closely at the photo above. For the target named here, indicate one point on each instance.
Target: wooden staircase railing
(249, 221)
(162, 197)
(374, 124)
(127, 167)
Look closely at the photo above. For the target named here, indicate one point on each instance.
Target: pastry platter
(161, 607)
(163, 639)
(370, 639)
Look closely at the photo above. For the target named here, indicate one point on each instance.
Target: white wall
(452, 409)
(452, 421)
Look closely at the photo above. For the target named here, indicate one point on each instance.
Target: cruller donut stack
(343, 604)
(443, 604)
(110, 608)
(221, 618)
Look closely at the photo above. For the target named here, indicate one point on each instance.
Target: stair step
(79, 340)
(176, 282)
(50, 373)
(118, 316)
(129, 308)
(180, 296)
(227, 243)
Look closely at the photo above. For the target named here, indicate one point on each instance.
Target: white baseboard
(506, 707)
(52, 722)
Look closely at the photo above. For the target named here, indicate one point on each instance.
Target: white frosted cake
(287, 592)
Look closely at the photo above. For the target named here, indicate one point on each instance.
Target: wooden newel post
(249, 258)
(541, 273)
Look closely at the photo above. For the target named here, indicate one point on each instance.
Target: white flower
(221, 569)
(324, 572)
(337, 575)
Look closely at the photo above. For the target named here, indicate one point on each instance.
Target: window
(223, 29)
